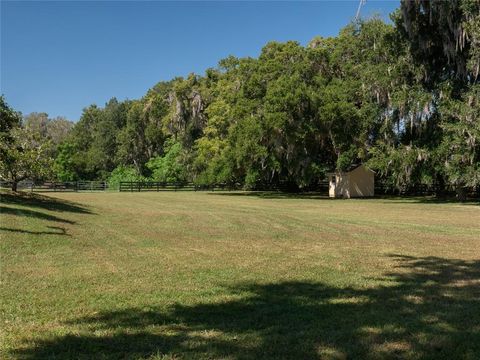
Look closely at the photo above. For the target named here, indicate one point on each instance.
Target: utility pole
(360, 4)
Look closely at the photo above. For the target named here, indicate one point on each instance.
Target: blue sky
(59, 57)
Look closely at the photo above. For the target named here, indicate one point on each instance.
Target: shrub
(170, 167)
(123, 173)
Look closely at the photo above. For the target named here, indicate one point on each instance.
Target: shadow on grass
(31, 206)
(56, 230)
(429, 200)
(324, 196)
(429, 309)
(33, 214)
(274, 195)
(43, 202)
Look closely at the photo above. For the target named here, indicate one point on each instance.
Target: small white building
(359, 181)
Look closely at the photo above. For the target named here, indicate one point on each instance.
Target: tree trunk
(292, 187)
(14, 186)
(440, 187)
(461, 193)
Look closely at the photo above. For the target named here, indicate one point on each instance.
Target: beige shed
(359, 181)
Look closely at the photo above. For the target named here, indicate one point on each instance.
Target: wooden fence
(53, 186)
(425, 190)
(137, 186)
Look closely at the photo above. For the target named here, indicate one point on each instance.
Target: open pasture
(238, 276)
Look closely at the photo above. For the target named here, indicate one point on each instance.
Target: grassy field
(238, 276)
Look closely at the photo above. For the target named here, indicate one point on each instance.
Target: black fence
(382, 188)
(53, 186)
(137, 186)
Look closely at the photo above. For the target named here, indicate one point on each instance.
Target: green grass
(238, 276)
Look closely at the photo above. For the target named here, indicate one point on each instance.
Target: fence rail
(137, 186)
(425, 190)
(53, 186)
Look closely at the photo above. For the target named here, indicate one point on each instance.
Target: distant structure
(358, 181)
(360, 4)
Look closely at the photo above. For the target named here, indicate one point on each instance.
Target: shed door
(331, 188)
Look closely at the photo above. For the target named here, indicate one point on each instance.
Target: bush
(123, 173)
(170, 167)
(64, 164)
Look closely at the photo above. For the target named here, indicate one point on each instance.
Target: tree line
(404, 98)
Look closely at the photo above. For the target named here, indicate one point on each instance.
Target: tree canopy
(401, 97)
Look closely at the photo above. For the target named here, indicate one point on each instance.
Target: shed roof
(349, 169)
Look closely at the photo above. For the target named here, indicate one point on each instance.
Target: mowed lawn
(179, 275)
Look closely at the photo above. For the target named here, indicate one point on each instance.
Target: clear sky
(59, 57)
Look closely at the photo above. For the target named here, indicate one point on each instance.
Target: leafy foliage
(123, 173)
(170, 167)
(64, 164)
(9, 118)
(402, 98)
(23, 156)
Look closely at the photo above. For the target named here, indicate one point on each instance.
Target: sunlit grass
(236, 275)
